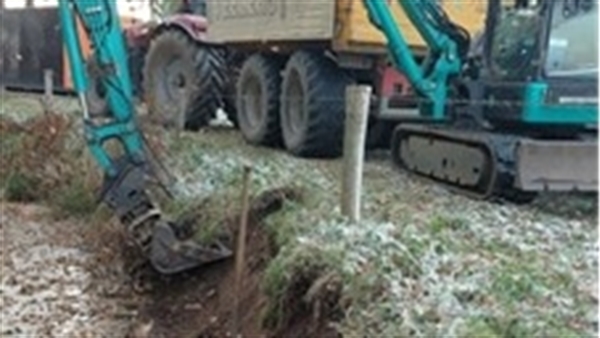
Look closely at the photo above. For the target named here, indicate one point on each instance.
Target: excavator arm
(447, 45)
(125, 189)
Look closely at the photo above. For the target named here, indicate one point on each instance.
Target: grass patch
(514, 284)
(428, 272)
(45, 161)
(19, 187)
(289, 278)
(440, 224)
(75, 200)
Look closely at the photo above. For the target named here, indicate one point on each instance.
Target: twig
(241, 247)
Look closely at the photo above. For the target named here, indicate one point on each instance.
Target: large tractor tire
(313, 106)
(257, 100)
(183, 80)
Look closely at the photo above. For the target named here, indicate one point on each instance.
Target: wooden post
(357, 113)
(48, 90)
(241, 248)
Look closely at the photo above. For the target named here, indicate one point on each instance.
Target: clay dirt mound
(200, 303)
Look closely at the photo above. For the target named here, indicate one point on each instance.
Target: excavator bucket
(557, 165)
(171, 255)
(168, 250)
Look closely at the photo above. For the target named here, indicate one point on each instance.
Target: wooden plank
(234, 21)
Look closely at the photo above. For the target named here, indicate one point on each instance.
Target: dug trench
(202, 303)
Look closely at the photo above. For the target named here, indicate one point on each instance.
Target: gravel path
(48, 286)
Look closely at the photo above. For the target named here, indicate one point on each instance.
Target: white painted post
(357, 113)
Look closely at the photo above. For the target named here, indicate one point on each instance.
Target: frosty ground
(423, 262)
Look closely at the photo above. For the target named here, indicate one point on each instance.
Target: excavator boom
(429, 80)
(125, 189)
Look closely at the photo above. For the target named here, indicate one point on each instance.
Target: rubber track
(483, 191)
(500, 149)
(268, 70)
(326, 86)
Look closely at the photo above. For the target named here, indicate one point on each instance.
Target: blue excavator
(508, 114)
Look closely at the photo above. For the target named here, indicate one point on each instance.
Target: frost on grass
(424, 262)
(409, 281)
(203, 169)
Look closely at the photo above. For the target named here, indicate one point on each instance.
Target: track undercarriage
(487, 165)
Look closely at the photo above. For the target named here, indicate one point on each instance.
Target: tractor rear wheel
(183, 80)
(313, 106)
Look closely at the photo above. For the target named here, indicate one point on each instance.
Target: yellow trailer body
(251, 21)
(357, 32)
(344, 24)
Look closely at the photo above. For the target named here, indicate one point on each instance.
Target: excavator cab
(539, 82)
(533, 38)
(545, 54)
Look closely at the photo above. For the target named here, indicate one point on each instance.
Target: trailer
(279, 69)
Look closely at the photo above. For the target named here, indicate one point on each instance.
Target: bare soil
(199, 303)
(202, 303)
(50, 285)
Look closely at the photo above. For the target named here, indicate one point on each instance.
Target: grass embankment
(422, 263)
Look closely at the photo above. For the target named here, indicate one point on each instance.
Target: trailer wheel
(235, 61)
(313, 106)
(183, 80)
(257, 100)
(229, 99)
